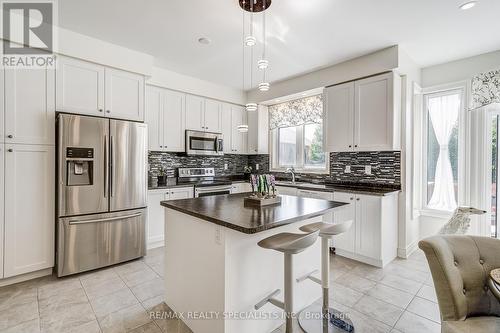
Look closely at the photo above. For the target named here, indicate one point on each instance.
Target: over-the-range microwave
(204, 143)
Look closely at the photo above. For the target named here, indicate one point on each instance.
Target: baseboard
(406, 252)
(155, 242)
(361, 258)
(25, 277)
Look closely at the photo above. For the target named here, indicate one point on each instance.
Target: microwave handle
(219, 146)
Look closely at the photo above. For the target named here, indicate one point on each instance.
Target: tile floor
(398, 298)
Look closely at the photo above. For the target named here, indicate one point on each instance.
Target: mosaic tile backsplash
(386, 166)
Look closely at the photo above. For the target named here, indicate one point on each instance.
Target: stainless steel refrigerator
(101, 192)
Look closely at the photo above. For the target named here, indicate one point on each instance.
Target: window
(300, 147)
(443, 154)
(296, 135)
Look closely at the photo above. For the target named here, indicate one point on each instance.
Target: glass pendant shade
(262, 64)
(264, 86)
(250, 41)
(242, 128)
(251, 106)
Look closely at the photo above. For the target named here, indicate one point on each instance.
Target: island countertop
(230, 211)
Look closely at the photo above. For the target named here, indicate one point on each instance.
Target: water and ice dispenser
(79, 166)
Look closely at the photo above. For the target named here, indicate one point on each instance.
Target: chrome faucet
(292, 172)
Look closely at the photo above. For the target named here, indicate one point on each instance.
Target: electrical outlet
(368, 169)
(256, 166)
(347, 169)
(225, 166)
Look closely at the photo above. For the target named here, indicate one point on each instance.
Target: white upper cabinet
(339, 117)
(92, 89)
(363, 115)
(376, 118)
(258, 131)
(79, 87)
(153, 117)
(124, 93)
(29, 106)
(195, 113)
(213, 115)
(29, 208)
(174, 121)
(227, 130)
(238, 139)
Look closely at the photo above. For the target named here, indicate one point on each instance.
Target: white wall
(374, 63)
(459, 70)
(172, 80)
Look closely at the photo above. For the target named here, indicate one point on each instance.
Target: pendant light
(263, 63)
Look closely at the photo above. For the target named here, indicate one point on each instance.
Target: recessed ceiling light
(468, 5)
(204, 40)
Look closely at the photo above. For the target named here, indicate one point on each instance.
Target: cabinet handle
(10, 150)
(108, 111)
(357, 199)
(352, 198)
(100, 110)
(350, 146)
(356, 146)
(10, 136)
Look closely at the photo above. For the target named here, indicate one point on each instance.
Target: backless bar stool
(289, 244)
(329, 320)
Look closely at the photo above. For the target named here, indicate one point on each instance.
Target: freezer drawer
(93, 241)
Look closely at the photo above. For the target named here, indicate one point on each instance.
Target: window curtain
(297, 112)
(485, 89)
(443, 113)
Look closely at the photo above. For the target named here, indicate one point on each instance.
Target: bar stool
(289, 244)
(329, 320)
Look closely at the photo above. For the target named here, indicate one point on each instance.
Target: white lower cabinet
(373, 237)
(241, 188)
(285, 190)
(156, 215)
(2, 186)
(328, 217)
(29, 209)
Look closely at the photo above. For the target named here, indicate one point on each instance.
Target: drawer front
(93, 241)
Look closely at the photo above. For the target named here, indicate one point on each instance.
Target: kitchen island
(214, 271)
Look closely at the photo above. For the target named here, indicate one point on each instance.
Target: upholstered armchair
(460, 266)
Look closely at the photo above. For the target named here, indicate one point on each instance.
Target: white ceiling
(304, 35)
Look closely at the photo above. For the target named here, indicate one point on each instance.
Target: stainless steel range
(102, 192)
(204, 181)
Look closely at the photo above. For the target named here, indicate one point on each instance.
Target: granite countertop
(358, 188)
(229, 211)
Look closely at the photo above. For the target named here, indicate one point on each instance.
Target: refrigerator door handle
(112, 166)
(105, 219)
(105, 167)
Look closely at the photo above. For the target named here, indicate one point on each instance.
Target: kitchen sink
(300, 184)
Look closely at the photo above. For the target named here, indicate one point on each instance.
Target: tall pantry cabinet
(27, 153)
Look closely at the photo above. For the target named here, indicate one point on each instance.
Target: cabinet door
(153, 117)
(226, 127)
(339, 117)
(29, 209)
(345, 241)
(29, 106)
(174, 121)
(213, 115)
(2, 104)
(373, 120)
(181, 193)
(2, 186)
(124, 95)
(238, 139)
(328, 217)
(79, 87)
(156, 216)
(285, 190)
(195, 113)
(368, 228)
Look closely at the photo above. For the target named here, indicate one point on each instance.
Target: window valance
(485, 89)
(297, 112)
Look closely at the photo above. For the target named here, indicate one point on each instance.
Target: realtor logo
(28, 33)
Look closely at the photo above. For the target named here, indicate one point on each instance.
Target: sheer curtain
(443, 113)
